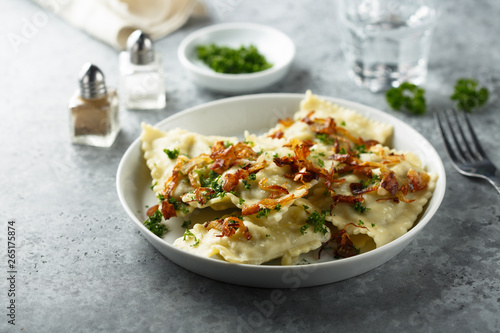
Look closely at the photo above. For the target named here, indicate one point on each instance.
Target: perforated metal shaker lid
(92, 83)
(141, 48)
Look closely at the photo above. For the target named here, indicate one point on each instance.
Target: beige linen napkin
(112, 21)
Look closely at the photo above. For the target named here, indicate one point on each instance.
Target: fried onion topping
(228, 227)
(345, 246)
(225, 157)
(417, 180)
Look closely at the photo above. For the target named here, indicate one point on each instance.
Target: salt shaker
(141, 74)
(93, 110)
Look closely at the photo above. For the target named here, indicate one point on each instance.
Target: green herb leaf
(189, 234)
(303, 229)
(213, 181)
(153, 223)
(223, 59)
(359, 207)
(317, 221)
(246, 184)
(172, 154)
(263, 212)
(178, 205)
(325, 139)
(468, 95)
(407, 97)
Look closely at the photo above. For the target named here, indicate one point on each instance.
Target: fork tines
(459, 137)
(464, 149)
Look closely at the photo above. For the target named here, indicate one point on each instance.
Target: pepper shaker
(93, 110)
(141, 74)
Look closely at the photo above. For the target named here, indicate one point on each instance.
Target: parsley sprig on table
(407, 97)
(468, 95)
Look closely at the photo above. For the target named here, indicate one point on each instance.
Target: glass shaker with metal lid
(93, 110)
(141, 74)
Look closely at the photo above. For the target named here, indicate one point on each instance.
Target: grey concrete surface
(82, 266)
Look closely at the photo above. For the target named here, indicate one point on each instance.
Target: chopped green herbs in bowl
(236, 58)
(224, 59)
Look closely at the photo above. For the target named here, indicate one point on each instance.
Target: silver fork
(463, 147)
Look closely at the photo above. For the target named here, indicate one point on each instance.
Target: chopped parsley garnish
(407, 97)
(372, 181)
(263, 212)
(246, 184)
(303, 229)
(361, 149)
(153, 223)
(277, 207)
(172, 154)
(250, 143)
(189, 234)
(213, 181)
(223, 59)
(186, 224)
(152, 186)
(359, 207)
(252, 176)
(317, 221)
(469, 95)
(323, 138)
(361, 222)
(178, 205)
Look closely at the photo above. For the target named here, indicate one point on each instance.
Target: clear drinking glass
(387, 42)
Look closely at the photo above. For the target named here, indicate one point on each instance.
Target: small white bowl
(277, 47)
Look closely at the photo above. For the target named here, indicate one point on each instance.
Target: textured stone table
(82, 266)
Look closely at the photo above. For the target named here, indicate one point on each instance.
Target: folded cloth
(112, 21)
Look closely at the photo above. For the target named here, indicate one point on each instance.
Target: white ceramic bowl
(256, 113)
(273, 44)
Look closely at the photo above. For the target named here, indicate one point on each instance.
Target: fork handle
(495, 181)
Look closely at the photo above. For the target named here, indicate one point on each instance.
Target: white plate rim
(260, 271)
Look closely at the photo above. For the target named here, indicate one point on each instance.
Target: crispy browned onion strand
(228, 227)
(344, 245)
(225, 157)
